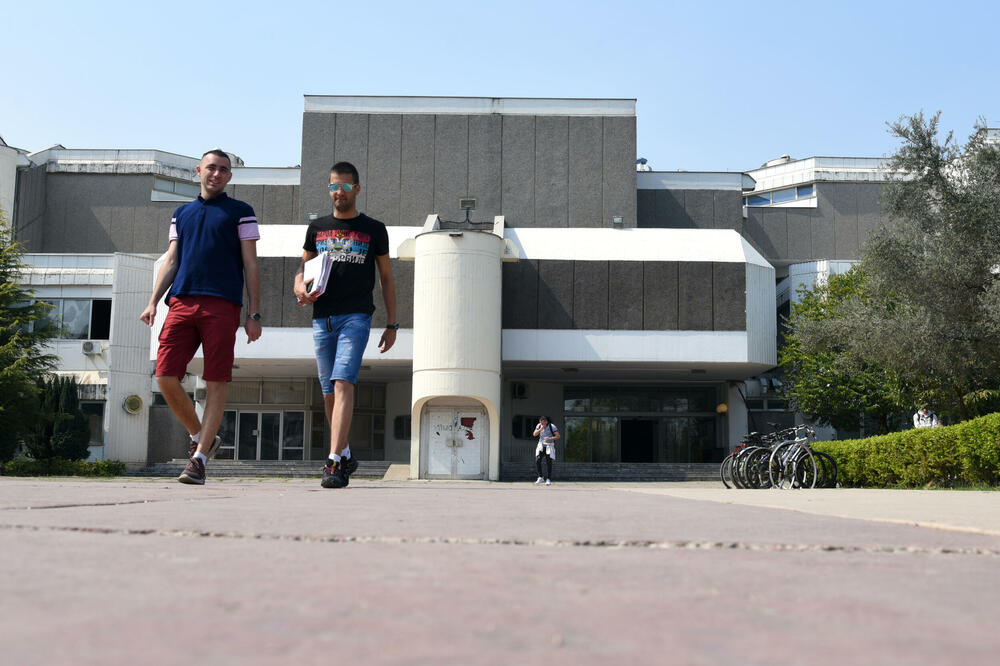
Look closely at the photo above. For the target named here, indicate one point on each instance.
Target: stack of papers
(317, 272)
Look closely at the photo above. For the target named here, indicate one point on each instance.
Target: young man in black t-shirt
(342, 314)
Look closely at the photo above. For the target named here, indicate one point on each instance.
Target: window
(174, 190)
(783, 195)
(79, 318)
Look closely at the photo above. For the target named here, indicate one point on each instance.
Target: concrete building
(636, 309)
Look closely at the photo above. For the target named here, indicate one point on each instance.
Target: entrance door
(258, 435)
(638, 440)
(456, 442)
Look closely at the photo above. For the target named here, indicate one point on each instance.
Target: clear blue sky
(719, 85)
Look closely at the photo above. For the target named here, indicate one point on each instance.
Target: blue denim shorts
(339, 342)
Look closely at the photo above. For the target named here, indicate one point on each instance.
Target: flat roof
(528, 106)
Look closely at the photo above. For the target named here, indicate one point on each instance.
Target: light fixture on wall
(132, 404)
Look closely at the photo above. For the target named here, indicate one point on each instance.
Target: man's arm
(251, 272)
(165, 278)
(389, 296)
(299, 287)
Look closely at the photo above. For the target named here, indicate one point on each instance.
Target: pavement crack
(93, 504)
(537, 543)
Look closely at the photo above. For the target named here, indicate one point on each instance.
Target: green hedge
(966, 454)
(60, 467)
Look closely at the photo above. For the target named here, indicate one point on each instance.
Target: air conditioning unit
(91, 347)
(518, 390)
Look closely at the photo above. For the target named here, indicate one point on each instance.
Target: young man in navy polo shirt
(342, 315)
(212, 247)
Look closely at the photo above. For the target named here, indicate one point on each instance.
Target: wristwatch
(394, 327)
(255, 316)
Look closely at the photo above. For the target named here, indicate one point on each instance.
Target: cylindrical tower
(456, 354)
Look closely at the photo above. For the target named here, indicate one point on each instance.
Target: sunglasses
(347, 187)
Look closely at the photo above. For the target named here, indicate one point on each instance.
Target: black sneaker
(334, 476)
(350, 465)
(194, 473)
(212, 450)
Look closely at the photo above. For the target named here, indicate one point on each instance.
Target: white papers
(317, 272)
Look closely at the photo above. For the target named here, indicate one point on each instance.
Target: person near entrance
(342, 314)
(547, 434)
(212, 249)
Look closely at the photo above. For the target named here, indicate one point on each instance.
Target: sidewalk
(415, 572)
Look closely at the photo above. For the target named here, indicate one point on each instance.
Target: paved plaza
(275, 571)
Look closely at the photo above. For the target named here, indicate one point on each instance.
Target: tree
(931, 308)
(825, 380)
(24, 329)
(62, 429)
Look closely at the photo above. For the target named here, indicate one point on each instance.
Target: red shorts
(208, 321)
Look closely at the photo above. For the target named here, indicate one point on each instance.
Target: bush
(964, 454)
(62, 467)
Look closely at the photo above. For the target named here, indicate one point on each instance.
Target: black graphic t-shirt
(353, 244)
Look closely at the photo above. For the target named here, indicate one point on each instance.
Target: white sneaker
(547, 482)
(539, 482)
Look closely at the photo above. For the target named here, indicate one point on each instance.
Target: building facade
(637, 310)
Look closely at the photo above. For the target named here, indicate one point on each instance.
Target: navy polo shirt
(208, 234)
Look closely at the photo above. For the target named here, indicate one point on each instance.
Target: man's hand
(387, 341)
(253, 329)
(301, 293)
(149, 314)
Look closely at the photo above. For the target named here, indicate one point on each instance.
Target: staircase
(525, 471)
(367, 469)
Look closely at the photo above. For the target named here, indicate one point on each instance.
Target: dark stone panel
(823, 236)
(318, 151)
(518, 171)
(753, 231)
(249, 194)
(275, 286)
(728, 209)
(292, 314)
(645, 209)
(385, 132)
(700, 208)
(29, 227)
(670, 210)
(520, 294)
(352, 146)
(402, 276)
(659, 295)
(484, 165)
(167, 437)
(842, 198)
(869, 212)
(619, 153)
(800, 234)
(416, 197)
(555, 294)
(774, 222)
(402, 273)
(694, 296)
(590, 295)
(279, 205)
(729, 284)
(551, 171)
(151, 229)
(586, 200)
(451, 165)
(625, 296)
(296, 218)
(123, 228)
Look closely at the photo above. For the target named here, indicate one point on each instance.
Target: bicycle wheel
(726, 470)
(757, 476)
(739, 467)
(829, 470)
(804, 471)
(774, 465)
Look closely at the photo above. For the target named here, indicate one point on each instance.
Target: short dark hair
(218, 152)
(345, 168)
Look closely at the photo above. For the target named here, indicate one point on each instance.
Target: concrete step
(525, 471)
(367, 469)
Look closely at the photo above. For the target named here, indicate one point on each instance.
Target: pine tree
(23, 333)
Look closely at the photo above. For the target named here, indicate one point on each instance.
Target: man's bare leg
(215, 404)
(339, 409)
(179, 402)
(182, 407)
